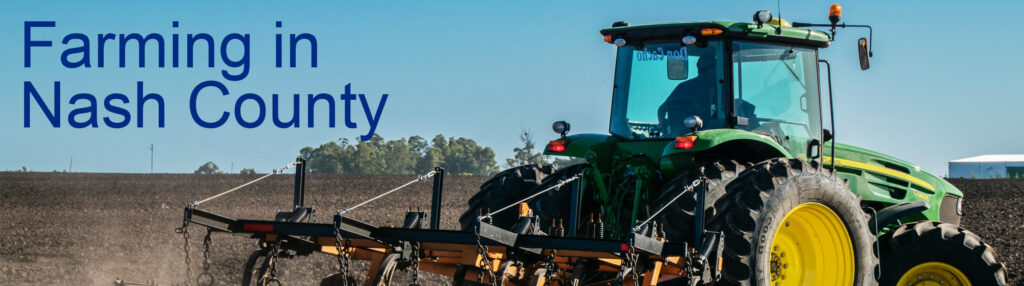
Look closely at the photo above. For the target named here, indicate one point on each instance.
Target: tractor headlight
(689, 40)
(960, 206)
(560, 127)
(619, 42)
(762, 17)
(693, 122)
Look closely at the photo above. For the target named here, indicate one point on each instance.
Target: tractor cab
(674, 79)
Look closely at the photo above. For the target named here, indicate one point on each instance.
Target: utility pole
(70, 163)
(150, 158)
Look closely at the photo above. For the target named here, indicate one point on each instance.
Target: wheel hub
(778, 264)
(934, 274)
(811, 247)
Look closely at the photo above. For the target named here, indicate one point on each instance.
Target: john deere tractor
(717, 127)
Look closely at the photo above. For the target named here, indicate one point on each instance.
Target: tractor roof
(675, 31)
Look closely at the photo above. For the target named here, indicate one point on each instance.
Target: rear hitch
(706, 263)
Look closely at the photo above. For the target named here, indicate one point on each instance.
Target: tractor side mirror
(864, 53)
(826, 135)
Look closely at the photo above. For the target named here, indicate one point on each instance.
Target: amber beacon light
(835, 12)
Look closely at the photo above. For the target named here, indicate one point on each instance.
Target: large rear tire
(935, 253)
(555, 204)
(789, 222)
(504, 188)
(678, 218)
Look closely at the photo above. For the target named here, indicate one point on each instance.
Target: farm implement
(524, 254)
(717, 171)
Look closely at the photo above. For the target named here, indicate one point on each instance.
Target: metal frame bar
(574, 209)
(435, 201)
(300, 184)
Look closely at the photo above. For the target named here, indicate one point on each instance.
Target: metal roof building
(988, 166)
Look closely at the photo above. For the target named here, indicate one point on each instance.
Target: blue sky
(944, 81)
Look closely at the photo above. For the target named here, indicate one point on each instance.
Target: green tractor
(736, 109)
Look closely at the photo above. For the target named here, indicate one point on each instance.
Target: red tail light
(258, 227)
(685, 142)
(557, 146)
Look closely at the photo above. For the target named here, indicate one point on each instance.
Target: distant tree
(972, 175)
(23, 169)
(418, 144)
(248, 171)
(306, 153)
(462, 156)
(208, 168)
(525, 155)
(325, 159)
(400, 156)
(430, 159)
(368, 157)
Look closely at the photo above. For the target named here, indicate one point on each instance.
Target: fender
(730, 143)
(890, 214)
(709, 139)
(578, 145)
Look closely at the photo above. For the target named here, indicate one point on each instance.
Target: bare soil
(90, 229)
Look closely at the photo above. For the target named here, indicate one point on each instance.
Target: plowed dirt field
(90, 229)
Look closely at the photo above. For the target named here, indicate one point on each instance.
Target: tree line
(413, 155)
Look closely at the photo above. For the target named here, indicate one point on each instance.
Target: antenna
(778, 5)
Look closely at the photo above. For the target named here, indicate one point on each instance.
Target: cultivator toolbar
(524, 254)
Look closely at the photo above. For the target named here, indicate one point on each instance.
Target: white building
(988, 166)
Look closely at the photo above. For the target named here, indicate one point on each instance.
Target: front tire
(941, 253)
(789, 222)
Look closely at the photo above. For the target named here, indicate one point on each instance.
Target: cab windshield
(659, 84)
(774, 91)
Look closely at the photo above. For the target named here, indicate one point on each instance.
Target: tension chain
(271, 277)
(484, 262)
(629, 264)
(188, 258)
(342, 245)
(415, 264)
(206, 262)
(549, 265)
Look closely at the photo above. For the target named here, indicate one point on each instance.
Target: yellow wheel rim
(811, 247)
(934, 273)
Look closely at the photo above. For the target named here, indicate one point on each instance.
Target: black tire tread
(555, 203)
(503, 188)
(677, 219)
(739, 210)
(906, 246)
